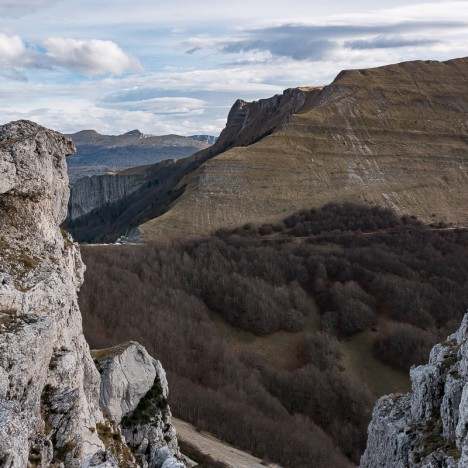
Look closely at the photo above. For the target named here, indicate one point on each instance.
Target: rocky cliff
(49, 385)
(99, 191)
(137, 195)
(249, 122)
(394, 136)
(429, 426)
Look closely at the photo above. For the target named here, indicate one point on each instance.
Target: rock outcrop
(134, 393)
(429, 426)
(249, 122)
(127, 374)
(49, 385)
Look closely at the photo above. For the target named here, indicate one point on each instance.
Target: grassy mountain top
(392, 136)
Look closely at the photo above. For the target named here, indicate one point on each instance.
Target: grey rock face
(247, 122)
(49, 387)
(90, 193)
(427, 427)
(127, 373)
(134, 392)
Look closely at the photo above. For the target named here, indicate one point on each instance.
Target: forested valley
(315, 281)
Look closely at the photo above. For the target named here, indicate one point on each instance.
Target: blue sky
(177, 67)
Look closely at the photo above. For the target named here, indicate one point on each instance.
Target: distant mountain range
(394, 136)
(99, 154)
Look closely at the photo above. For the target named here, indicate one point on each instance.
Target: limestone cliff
(429, 426)
(49, 385)
(249, 122)
(99, 191)
(49, 388)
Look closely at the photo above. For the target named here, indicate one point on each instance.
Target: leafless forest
(358, 265)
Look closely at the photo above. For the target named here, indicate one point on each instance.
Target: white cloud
(90, 58)
(427, 11)
(12, 51)
(317, 42)
(15, 56)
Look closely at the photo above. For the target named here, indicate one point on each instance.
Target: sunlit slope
(395, 136)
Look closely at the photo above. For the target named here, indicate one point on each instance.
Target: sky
(178, 66)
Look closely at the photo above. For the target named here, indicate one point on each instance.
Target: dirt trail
(216, 449)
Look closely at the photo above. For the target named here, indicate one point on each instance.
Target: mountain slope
(112, 215)
(98, 154)
(394, 136)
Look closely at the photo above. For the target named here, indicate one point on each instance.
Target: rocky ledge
(49, 385)
(429, 426)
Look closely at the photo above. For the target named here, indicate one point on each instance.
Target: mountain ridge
(393, 136)
(98, 154)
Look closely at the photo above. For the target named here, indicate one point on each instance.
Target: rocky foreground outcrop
(134, 394)
(49, 384)
(429, 426)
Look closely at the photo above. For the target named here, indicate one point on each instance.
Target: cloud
(315, 42)
(18, 7)
(90, 58)
(15, 56)
(158, 105)
(386, 42)
(192, 50)
(286, 46)
(13, 52)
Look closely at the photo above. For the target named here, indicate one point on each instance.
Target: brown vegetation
(357, 263)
